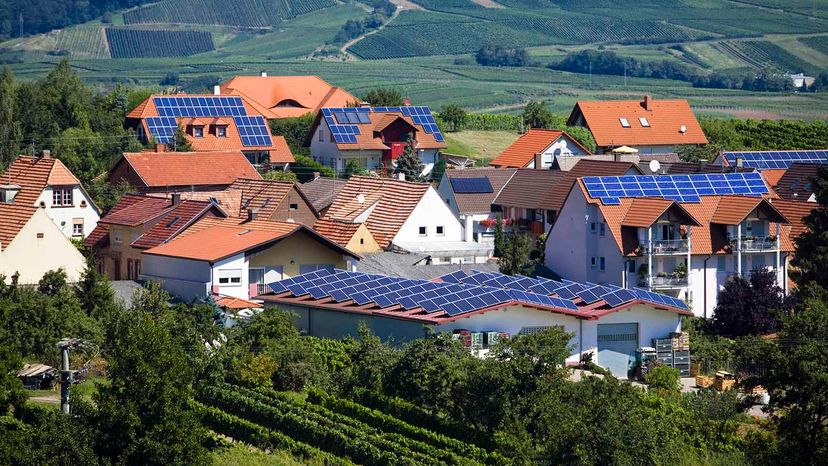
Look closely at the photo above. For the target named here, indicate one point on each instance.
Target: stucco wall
(431, 212)
(32, 256)
(363, 241)
(63, 216)
(187, 279)
(300, 248)
(561, 146)
(566, 249)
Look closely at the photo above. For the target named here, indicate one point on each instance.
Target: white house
(47, 183)
(470, 193)
(610, 327)
(539, 148)
(399, 215)
(374, 137)
(685, 249)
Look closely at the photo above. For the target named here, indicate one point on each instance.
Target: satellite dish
(682, 129)
(655, 166)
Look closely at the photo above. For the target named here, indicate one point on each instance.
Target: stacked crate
(477, 340)
(667, 354)
(465, 337)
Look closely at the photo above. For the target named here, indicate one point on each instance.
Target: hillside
(426, 47)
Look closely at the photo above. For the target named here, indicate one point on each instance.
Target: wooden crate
(704, 381)
(723, 384)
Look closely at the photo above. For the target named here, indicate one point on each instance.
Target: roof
(522, 152)
(263, 196)
(100, 235)
(774, 159)
(13, 217)
(796, 184)
(771, 175)
(529, 188)
(566, 163)
(413, 265)
(733, 210)
(338, 231)
(173, 223)
(219, 242)
(229, 302)
(672, 168)
(288, 96)
(644, 211)
(795, 212)
(229, 200)
(557, 195)
(160, 169)
(137, 210)
(33, 175)
(391, 202)
(321, 191)
(479, 203)
(458, 295)
(665, 118)
(367, 134)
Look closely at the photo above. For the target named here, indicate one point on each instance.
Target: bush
(500, 56)
(663, 378)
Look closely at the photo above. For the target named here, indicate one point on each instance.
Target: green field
(427, 52)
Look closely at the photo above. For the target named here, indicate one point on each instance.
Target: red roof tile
(161, 169)
(528, 188)
(219, 242)
(522, 152)
(795, 212)
(229, 302)
(173, 223)
(288, 96)
(338, 231)
(369, 138)
(138, 213)
(795, 184)
(665, 117)
(480, 203)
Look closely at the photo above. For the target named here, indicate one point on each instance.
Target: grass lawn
(241, 455)
(480, 145)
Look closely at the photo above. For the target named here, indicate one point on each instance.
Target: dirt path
(344, 49)
(488, 4)
(46, 399)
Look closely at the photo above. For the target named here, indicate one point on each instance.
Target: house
(796, 184)
(211, 123)
(538, 148)
(374, 137)
(399, 215)
(181, 171)
(642, 160)
(531, 200)
(795, 211)
(799, 80)
(288, 96)
(649, 125)
(608, 323)
(679, 167)
(771, 159)
(237, 258)
(273, 200)
(470, 193)
(137, 223)
(31, 244)
(321, 191)
(683, 235)
(45, 182)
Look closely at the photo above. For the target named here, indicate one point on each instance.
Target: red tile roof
(666, 117)
(13, 217)
(100, 235)
(795, 183)
(369, 138)
(479, 203)
(795, 212)
(522, 152)
(219, 242)
(288, 96)
(391, 201)
(173, 223)
(160, 169)
(264, 196)
(338, 231)
(137, 213)
(229, 302)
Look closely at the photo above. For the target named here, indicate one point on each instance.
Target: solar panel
(253, 131)
(680, 188)
(776, 159)
(162, 129)
(344, 122)
(475, 185)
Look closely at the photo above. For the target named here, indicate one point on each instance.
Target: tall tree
(812, 246)
(179, 142)
(499, 236)
(384, 97)
(515, 259)
(751, 307)
(454, 115)
(10, 133)
(537, 115)
(409, 162)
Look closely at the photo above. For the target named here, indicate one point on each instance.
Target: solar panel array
(344, 122)
(565, 289)
(680, 188)
(777, 159)
(460, 292)
(475, 185)
(253, 130)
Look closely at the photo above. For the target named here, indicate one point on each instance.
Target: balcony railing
(752, 244)
(665, 281)
(666, 246)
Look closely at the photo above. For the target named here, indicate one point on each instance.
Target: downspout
(580, 339)
(704, 283)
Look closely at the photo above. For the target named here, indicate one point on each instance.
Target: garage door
(616, 347)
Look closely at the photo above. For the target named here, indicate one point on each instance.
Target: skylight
(173, 221)
(625, 123)
(644, 122)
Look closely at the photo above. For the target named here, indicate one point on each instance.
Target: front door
(117, 268)
(617, 344)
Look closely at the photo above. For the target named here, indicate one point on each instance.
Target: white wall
(665, 149)
(566, 245)
(237, 262)
(185, 278)
(63, 216)
(447, 195)
(430, 212)
(32, 256)
(561, 146)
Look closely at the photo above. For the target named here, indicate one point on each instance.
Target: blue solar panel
(681, 188)
(344, 122)
(776, 159)
(253, 131)
(162, 129)
(475, 185)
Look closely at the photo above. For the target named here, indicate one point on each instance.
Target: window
(221, 131)
(137, 269)
(592, 227)
(534, 330)
(306, 268)
(116, 237)
(603, 263)
(321, 135)
(294, 206)
(644, 122)
(593, 261)
(198, 131)
(40, 236)
(422, 231)
(231, 277)
(62, 197)
(603, 231)
(625, 123)
(440, 231)
(362, 241)
(130, 270)
(255, 276)
(77, 227)
(631, 266)
(720, 263)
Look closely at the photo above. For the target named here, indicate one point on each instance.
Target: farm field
(483, 145)
(139, 43)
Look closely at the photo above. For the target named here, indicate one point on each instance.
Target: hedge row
(362, 445)
(261, 437)
(387, 423)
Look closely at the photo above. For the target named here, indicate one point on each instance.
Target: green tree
(81, 149)
(583, 136)
(66, 97)
(812, 245)
(353, 168)
(664, 378)
(692, 153)
(10, 132)
(454, 115)
(12, 395)
(515, 259)
(384, 97)
(295, 130)
(751, 307)
(280, 175)
(499, 237)
(409, 163)
(537, 115)
(439, 170)
(179, 142)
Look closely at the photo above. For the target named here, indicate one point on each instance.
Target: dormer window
(198, 131)
(8, 192)
(624, 122)
(221, 131)
(644, 122)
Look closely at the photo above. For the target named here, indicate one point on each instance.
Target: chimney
(160, 148)
(740, 162)
(216, 90)
(538, 161)
(361, 198)
(365, 104)
(316, 175)
(401, 176)
(263, 74)
(406, 101)
(47, 154)
(176, 198)
(616, 157)
(648, 103)
(251, 215)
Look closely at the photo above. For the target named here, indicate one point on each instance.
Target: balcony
(665, 281)
(754, 244)
(257, 289)
(666, 247)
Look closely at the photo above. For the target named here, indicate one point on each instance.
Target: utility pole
(66, 375)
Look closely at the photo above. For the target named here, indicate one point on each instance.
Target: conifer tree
(409, 162)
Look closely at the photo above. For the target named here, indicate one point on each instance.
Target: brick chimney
(216, 90)
(46, 154)
(160, 148)
(538, 161)
(176, 198)
(401, 176)
(316, 175)
(647, 103)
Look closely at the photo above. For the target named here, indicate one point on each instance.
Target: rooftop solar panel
(776, 159)
(344, 122)
(475, 185)
(681, 188)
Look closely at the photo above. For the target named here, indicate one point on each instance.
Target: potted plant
(639, 250)
(681, 271)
